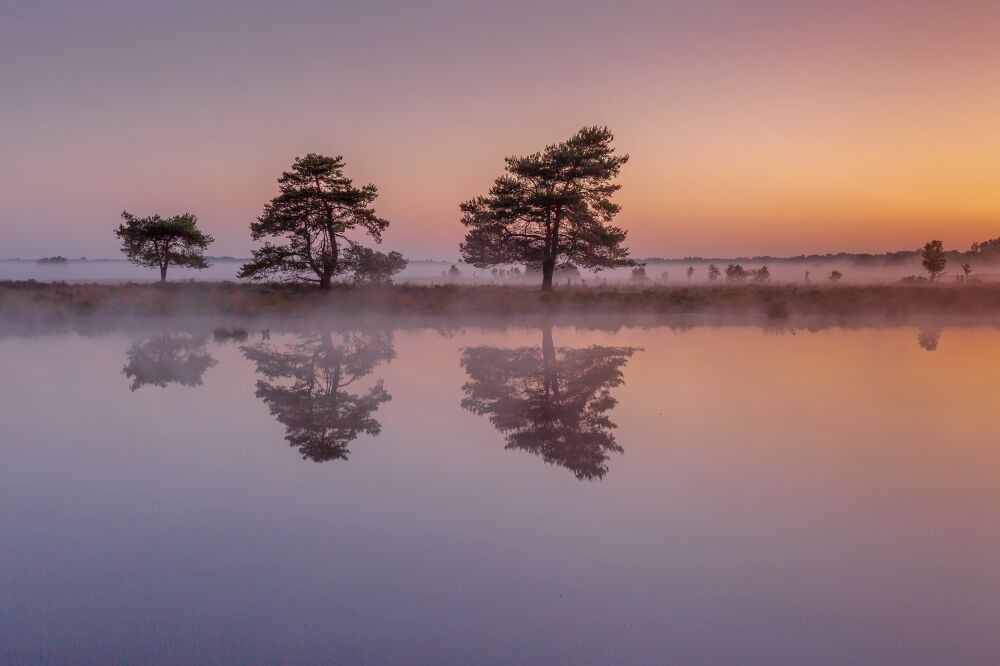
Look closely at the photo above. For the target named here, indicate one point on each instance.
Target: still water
(331, 493)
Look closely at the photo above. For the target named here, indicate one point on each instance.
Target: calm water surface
(535, 494)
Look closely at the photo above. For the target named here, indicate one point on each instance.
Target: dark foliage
(550, 401)
(552, 208)
(933, 259)
(368, 266)
(305, 386)
(156, 242)
(315, 209)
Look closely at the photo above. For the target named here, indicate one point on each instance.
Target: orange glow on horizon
(769, 128)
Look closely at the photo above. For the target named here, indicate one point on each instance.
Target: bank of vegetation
(46, 302)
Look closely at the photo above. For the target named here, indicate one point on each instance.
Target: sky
(754, 126)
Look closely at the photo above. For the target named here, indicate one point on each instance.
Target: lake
(400, 492)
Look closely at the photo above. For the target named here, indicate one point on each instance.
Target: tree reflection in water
(306, 384)
(167, 358)
(929, 339)
(550, 401)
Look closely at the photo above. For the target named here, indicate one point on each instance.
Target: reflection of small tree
(928, 339)
(713, 272)
(550, 401)
(306, 384)
(167, 358)
(933, 259)
(835, 275)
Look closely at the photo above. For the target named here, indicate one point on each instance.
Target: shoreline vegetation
(50, 302)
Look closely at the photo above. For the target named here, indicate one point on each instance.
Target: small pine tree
(156, 242)
(934, 260)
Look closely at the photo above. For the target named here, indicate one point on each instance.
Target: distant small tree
(835, 275)
(454, 272)
(933, 258)
(735, 273)
(639, 274)
(713, 272)
(371, 266)
(966, 271)
(665, 276)
(807, 277)
(156, 242)
(570, 274)
(762, 274)
(551, 208)
(316, 207)
(690, 272)
(991, 245)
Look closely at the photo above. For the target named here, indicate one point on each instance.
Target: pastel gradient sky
(754, 126)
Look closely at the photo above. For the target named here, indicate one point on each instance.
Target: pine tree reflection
(550, 401)
(305, 387)
(167, 358)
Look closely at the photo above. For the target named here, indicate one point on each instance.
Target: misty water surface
(336, 492)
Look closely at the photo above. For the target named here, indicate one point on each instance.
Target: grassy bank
(40, 302)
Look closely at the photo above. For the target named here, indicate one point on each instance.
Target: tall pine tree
(316, 207)
(551, 209)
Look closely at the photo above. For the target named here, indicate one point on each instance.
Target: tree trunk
(549, 363)
(326, 280)
(548, 269)
(163, 273)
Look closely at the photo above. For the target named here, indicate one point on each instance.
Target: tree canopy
(368, 266)
(989, 245)
(933, 258)
(157, 242)
(316, 208)
(553, 208)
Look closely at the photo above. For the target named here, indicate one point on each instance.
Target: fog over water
(412, 492)
(673, 272)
